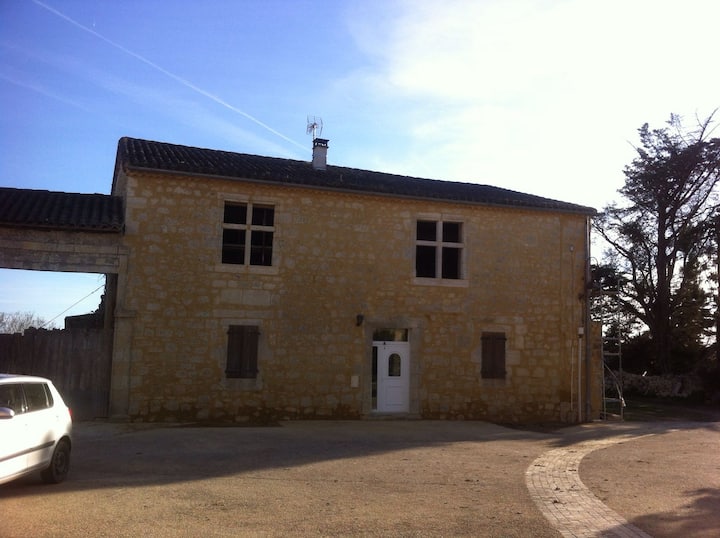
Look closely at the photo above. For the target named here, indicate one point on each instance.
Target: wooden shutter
(493, 355)
(242, 351)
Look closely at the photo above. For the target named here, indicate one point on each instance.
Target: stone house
(251, 289)
(260, 288)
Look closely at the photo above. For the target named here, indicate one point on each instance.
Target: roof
(28, 208)
(22, 378)
(148, 156)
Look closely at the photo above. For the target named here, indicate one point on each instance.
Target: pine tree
(661, 238)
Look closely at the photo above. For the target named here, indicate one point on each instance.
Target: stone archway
(66, 232)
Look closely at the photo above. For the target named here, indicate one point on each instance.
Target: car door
(13, 454)
(39, 424)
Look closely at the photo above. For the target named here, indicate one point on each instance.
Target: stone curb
(553, 481)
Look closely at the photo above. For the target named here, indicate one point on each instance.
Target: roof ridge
(140, 154)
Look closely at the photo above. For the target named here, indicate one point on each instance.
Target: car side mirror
(6, 412)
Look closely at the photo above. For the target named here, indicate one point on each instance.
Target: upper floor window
(438, 249)
(248, 233)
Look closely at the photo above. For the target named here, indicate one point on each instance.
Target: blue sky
(541, 96)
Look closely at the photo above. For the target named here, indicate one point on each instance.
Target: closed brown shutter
(242, 351)
(493, 355)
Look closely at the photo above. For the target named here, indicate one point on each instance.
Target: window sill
(240, 268)
(242, 384)
(490, 382)
(444, 282)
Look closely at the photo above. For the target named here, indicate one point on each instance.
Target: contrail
(44, 92)
(176, 78)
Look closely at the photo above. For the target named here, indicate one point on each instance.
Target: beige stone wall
(337, 255)
(58, 250)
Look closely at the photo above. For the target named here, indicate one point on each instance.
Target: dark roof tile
(60, 210)
(145, 155)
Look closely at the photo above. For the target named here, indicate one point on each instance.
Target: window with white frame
(439, 249)
(248, 231)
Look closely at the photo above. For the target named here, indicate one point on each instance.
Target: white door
(393, 377)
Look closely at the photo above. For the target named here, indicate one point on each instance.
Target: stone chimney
(320, 147)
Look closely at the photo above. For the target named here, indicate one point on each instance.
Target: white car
(35, 429)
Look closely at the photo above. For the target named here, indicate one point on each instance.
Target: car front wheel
(59, 464)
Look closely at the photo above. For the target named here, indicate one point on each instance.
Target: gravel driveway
(322, 478)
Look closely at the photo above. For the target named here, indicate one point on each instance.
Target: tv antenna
(314, 126)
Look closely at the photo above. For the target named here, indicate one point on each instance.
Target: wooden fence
(77, 361)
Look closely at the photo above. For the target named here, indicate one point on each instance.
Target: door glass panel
(394, 365)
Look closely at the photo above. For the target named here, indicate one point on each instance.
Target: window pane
(263, 215)
(261, 248)
(451, 232)
(451, 262)
(233, 246)
(35, 396)
(390, 335)
(233, 237)
(235, 213)
(48, 395)
(425, 262)
(11, 396)
(426, 230)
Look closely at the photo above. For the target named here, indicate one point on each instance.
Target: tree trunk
(661, 333)
(717, 296)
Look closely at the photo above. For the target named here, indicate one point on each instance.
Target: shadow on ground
(111, 454)
(698, 518)
(639, 409)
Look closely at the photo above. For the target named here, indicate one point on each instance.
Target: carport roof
(29, 208)
(160, 157)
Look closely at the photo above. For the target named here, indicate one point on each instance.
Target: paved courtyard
(378, 478)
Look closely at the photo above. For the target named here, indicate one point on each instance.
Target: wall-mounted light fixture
(359, 320)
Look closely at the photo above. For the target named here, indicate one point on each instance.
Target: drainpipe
(588, 331)
(581, 331)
